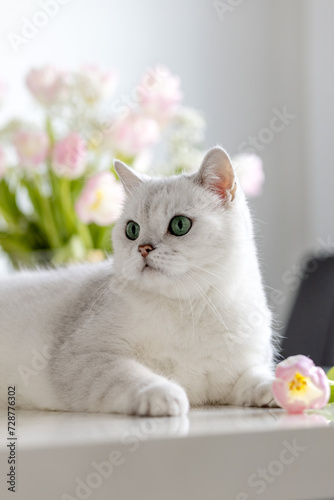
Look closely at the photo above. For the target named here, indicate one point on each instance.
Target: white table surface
(215, 453)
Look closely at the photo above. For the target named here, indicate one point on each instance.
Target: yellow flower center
(299, 383)
(99, 195)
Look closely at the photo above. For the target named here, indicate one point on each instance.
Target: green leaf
(8, 206)
(44, 215)
(13, 243)
(330, 373)
(330, 376)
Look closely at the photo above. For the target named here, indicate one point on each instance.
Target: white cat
(179, 316)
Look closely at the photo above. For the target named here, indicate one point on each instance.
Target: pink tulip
(31, 147)
(96, 84)
(160, 94)
(69, 157)
(47, 84)
(249, 169)
(100, 200)
(3, 163)
(131, 133)
(300, 385)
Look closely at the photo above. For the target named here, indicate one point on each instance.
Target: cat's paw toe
(161, 400)
(261, 396)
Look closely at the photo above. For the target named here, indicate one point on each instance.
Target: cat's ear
(128, 176)
(216, 174)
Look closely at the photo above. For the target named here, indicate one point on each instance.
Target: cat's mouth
(149, 268)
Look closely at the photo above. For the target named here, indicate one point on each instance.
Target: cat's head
(177, 235)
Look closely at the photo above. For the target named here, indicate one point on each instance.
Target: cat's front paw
(254, 388)
(163, 399)
(259, 395)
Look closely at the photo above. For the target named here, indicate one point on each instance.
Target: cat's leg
(123, 385)
(253, 388)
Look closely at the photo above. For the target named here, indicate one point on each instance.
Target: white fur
(122, 337)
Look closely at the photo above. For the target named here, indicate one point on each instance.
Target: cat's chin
(150, 278)
(152, 269)
(161, 283)
(154, 279)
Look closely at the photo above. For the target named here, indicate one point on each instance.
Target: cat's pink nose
(145, 249)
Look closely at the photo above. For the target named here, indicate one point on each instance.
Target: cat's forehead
(165, 197)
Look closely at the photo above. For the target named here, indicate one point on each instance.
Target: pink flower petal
(312, 391)
(160, 94)
(101, 200)
(69, 156)
(299, 363)
(47, 84)
(132, 133)
(31, 146)
(249, 169)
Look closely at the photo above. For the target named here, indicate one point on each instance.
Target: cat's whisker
(178, 259)
(175, 260)
(104, 293)
(212, 285)
(115, 301)
(208, 301)
(220, 276)
(116, 279)
(96, 291)
(178, 296)
(191, 308)
(110, 283)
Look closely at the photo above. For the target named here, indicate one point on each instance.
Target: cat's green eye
(132, 230)
(179, 225)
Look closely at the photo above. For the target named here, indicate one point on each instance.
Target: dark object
(310, 329)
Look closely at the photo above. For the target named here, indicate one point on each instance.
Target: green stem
(50, 223)
(61, 204)
(85, 235)
(49, 129)
(67, 205)
(43, 211)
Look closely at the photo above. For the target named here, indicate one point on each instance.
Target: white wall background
(262, 55)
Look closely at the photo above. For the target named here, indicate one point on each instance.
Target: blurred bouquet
(59, 196)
